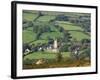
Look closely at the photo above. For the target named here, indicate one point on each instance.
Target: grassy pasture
(69, 26)
(79, 35)
(75, 31)
(45, 55)
(29, 16)
(51, 35)
(28, 35)
(46, 18)
(39, 42)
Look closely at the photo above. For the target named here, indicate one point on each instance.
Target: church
(53, 47)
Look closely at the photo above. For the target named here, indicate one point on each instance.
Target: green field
(79, 35)
(69, 26)
(52, 35)
(29, 16)
(45, 55)
(28, 35)
(75, 31)
(46, 18)
(39, 42)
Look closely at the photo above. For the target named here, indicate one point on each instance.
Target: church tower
(55, 46)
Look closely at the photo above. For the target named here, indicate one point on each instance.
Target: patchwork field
(41, 28)
(75, 31)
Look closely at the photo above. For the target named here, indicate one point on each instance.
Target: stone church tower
(55, 46)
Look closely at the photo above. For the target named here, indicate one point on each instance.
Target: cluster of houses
(53, 47)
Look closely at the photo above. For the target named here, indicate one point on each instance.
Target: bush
(85, 54)
(27, 61)
(64, 48)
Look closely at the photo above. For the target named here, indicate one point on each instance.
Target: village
(55, 40)
(51, 47)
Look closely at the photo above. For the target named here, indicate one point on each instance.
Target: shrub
(27, 61)
(64, 48)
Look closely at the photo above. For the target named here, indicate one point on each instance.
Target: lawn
(79, 35)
